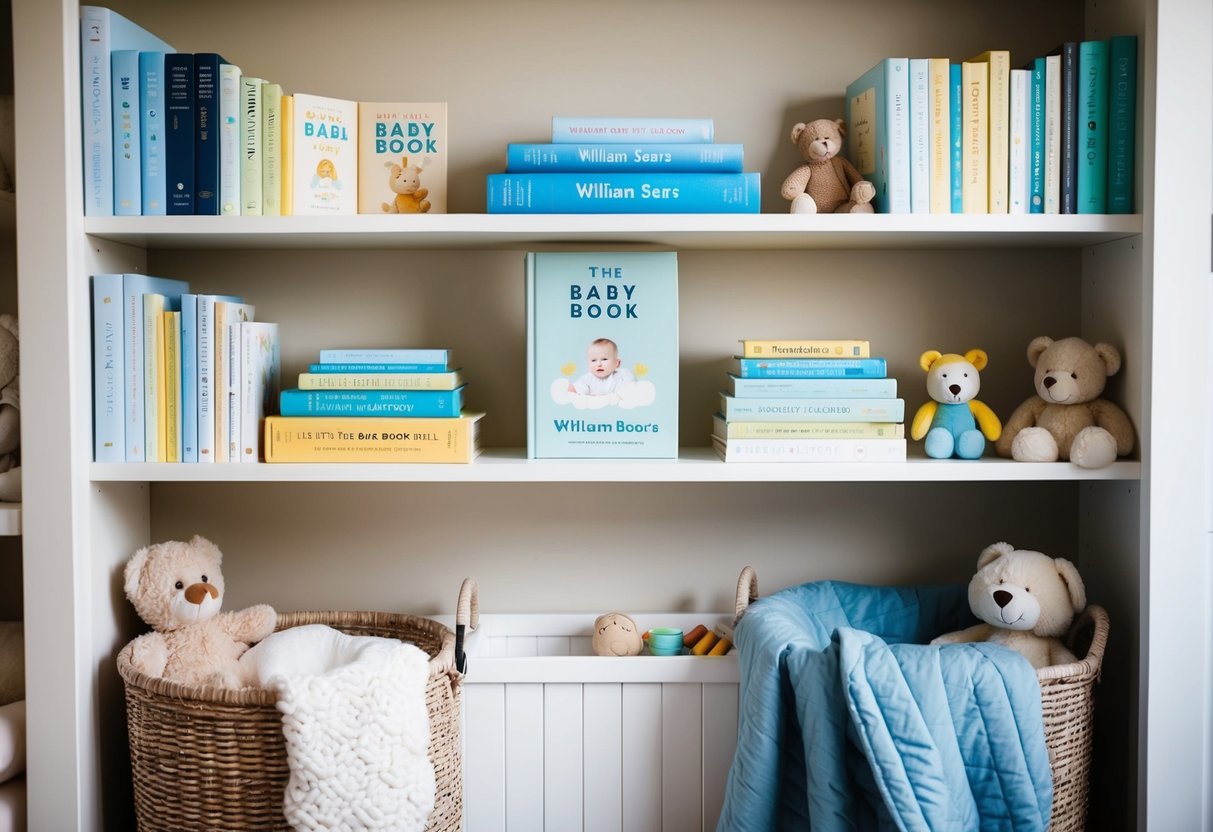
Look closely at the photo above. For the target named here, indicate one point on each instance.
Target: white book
(250, 145)
(261, 374)
(920, 138)
(229, 139)
(324, 155)
(228, 317)
(1053, 134)
(810, 450)
(1021, 120)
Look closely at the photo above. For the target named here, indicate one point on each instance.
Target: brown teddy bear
(177, 588)
(1066, 419)
(828, 183)
(405, 182)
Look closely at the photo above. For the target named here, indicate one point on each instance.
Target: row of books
(625, 166)
(805, 400)
(167, 132)
(978, 136)
(377, 405)
(178, 376)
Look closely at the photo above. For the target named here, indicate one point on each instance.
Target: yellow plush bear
(954, 423)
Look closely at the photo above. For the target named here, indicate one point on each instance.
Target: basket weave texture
(206, 758)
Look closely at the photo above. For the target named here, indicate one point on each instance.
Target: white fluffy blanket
(356, 727)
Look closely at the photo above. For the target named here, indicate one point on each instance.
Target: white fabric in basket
(356, 727)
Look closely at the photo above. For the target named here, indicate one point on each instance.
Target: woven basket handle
(747, 592)
(467, 617)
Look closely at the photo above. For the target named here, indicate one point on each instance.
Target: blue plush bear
(954, 423)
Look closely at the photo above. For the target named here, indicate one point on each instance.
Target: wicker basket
(212, 758)
(1067, 699)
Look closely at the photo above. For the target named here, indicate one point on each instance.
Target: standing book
(998, 128)
(342, 439)
(128, 200)
(920, 136)
(228, 316)
(229, 140)
(1019, 177)
(136, 353)
(1122, 115)
(878, 137)
(1092, 157)
(402, 157)
(189, 377)
(1068, 167)
(956, 111)
(109, 432)
(207, 140)
(324, 152)
(602, 355)
(940, 112)
(179, 132)
(152, 188)
(261, 374)
(975, 152)
(1036, 144)
(207, 345)
(251, 159)
(286, 202)
(171, 384)
(271, 149)
(1053, 120)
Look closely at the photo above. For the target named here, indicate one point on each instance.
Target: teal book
(109, 433)
(878, 132)
(135, 352)
(638, 158)
(1122, 121)
(957, 116)
(821, 388)
(1036, 140)
(602, 355)
(397, 403)
(789, 409)
(808, 367)
(595, 192)
(1093, 127)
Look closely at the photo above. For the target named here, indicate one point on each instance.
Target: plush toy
(177, 588)
(954, 422)
(10, 411)
(827, 183)
(405, 181)
(1066, 419)
(1027, 602)
(616, 635)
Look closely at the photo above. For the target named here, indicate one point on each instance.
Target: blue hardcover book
(134, 287)
(109, 429)
(1092, 176)
(440, 358)
(623, 193)
(669, 158)
(632, 130)
(820, 388)
(124, 70)
(206, 133)
(179, 132)
(1122, 116)
(788, 409)
(410, 403)
(377, 368)
(878, 132)
(602, 354)
(189, 377)
(101, 32)
(1068, 185)
(808, 367)
(153, 190)
(1036, 140)
(957, 117)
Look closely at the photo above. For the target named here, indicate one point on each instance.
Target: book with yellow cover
(974, 150)
(998, 126)
(402, 158)
(287, 118)
(171, 385)
(354, 439)
(805, 348)
(381, 381)
(154, 304)
(271, 149)
(939, 112)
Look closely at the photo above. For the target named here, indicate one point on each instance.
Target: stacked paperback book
(375, 405)
(1053, 136)
(625, 166)
(809, 401)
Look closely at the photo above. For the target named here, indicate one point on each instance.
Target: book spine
(843, 388)
(955, 100)
(812, 450)
(133, 372)
(806, 430)
(302, 439)
(206, 378)
(1092, 195)
(189, 377)
(387, 356)
(624, 158)
(96, 112)
(939, 109)
(250, 146)
(897, 119)
(1053, 134)
(1068, 196)
(153, 376)
(229, 139)
(1122, 115)
(920, 137)
(124, 70)
(171, 383)
(1036, 153)
(1021, 113)
(179, 132)
(623, 193)
(109, 428)
(286, 201)
(795, 348)
(377, 368)
(810, 368)
(250, 400)
(412, 403)
(271, 149)
(235, 389)
(153, 191)
(999, 126)
(813, 410)
(567, 129)
(379, 381)
(975, 152)
(206, 134)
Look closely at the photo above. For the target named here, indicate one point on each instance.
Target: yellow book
(940, 147)
(172, 385)
(287, 119)
(161, 393)
(974, 149)
(805, 348)
(381, 381)
(271, 149)
(360, 439)
(153, 360)
(998, 125)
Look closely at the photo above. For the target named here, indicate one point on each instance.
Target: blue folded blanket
(850, 721)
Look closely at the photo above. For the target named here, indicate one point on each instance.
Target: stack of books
(375, 405)
(1054, 136)
(625, 166)
(809, 401)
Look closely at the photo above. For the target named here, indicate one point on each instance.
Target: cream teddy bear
(827, 183)
(405, 182)
(177, 588)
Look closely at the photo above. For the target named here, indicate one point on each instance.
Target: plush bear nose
(954, 389)
(1049, 382)
(196, 593)
(1002, 597)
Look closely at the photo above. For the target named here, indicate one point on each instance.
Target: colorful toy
(954, 423)
(615, 634)
(827, 183)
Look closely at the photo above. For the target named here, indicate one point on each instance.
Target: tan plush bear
(405, 181)
(1026, 601)
(1066, 419)
(615, 634)
(177, 588)
(827, 183)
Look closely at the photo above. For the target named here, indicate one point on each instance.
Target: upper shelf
(678, 231)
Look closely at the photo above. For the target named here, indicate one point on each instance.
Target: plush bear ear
(134, 570)
(1038, 346)
(209, 549)
(927, 359)
(1073, 581)
(977, 358)
(1111, 358)
(797, 129)
(842, 127)
(992, 553)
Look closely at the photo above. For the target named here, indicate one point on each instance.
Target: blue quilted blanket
(850, 721)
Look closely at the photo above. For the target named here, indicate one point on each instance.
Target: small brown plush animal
(827, 183)
(615, 634)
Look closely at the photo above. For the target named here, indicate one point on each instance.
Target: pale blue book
(624, 157)
(206, 343)
(134, 287)
(101, 32)
(109, 430)
(808, 367)
(788, 409)
(124, 69)
(1092, 157)
(1036, 139)
(878, 132)
(432, 357)
(371, 403)
(189, 378)
(920, 137)
(642, 130)
(822, 388)
(623, 193)
(377, 368)
(151, 128)
(957, 117)
(602, 354)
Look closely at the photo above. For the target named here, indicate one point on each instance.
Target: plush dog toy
(615, 634)
(953, 421)
(827, 183)
(1026, 601)
(177, 588)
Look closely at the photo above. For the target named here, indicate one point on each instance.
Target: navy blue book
(1069, 126)
(428, 403)
(179, 132)
(206, 135)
